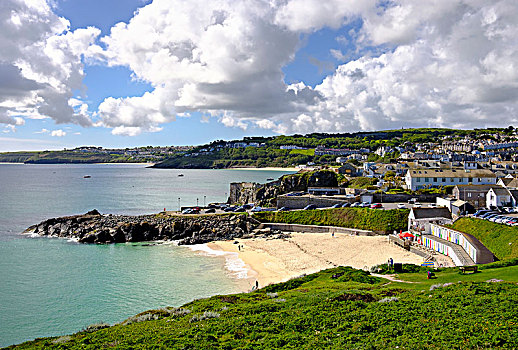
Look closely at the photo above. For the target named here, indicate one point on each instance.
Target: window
(418, 179)
(426, 179)
(443, 179)
(434, 179)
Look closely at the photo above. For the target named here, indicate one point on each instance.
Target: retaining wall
(317, 229)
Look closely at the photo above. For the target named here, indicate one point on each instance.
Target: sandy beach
(277, 260)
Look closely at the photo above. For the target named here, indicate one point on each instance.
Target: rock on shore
(94, 227)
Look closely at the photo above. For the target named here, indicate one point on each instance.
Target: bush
(289, 285)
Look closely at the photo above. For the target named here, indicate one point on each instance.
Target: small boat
(270, 179)
(180, 174)
(87, 176)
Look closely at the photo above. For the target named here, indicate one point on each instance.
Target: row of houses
(428, 226)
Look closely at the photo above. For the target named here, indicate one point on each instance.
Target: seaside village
(438, 183)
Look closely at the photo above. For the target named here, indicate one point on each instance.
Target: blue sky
(189, 72)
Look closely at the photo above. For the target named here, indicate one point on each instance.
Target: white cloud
(40, 63)
(58, 133)
(453, 64)
(444, 63)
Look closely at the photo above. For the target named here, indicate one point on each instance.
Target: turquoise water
(53, 286)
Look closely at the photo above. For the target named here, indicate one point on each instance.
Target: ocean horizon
(55, 286)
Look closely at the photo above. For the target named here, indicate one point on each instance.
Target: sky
(132, 73)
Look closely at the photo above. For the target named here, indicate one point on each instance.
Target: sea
(54, 286)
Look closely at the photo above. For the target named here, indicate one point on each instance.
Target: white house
(417, 178)
(499, 197)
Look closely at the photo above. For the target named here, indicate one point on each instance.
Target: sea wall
(316, 229)
(94, 227)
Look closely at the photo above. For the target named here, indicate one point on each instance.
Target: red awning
(406, 235)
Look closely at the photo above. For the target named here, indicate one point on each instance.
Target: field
(339, 308)
(359, 218)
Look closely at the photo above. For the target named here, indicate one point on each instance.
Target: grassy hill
(501, 240)
(340, 308)
(359, 218)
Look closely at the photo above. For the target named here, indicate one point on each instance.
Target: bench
(464, 269)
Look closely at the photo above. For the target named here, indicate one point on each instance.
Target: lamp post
(204, 198)
(226, 199)
(197, 201)
(179, 206)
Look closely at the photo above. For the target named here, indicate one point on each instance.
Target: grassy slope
(321, 312)
(501, 240)
(360, 218)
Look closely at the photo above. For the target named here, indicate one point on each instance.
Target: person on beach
(256, 284)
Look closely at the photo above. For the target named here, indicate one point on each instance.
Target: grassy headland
(359, 218)
(339, 308)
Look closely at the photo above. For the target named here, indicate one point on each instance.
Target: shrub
(206, 315)
(95, 327)
(291, 284)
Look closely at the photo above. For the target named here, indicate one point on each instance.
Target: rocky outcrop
(94, 227)
(248, 192)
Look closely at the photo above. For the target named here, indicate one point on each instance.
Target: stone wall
(316, 229)
(299, 202)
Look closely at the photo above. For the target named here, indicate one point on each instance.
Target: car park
(310, 207)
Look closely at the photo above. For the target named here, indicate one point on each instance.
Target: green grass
(359, 218)
(305, 152)
(500, 239)
(338, 308)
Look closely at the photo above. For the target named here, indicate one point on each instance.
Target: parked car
(310, 207)
(187, 211)
(345, 205)
(417, 205)
(240, 210)
(284, 209)
(365, 204)
(248, 206)
(229, 209)
(337, 205)
(376, 205)
(401, 206)
(256, 209)
(355, 204)
(432, 205)
(210, 210)
(481, 212)
(486, 215)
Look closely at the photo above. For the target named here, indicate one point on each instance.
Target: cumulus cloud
(434, 63)
(40, 63)
(445, 63)
(58, 133)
